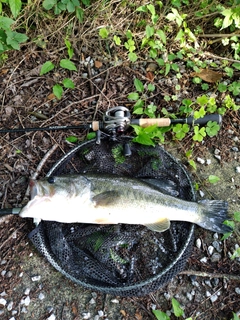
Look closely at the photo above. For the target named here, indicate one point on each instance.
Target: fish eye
(51, 180)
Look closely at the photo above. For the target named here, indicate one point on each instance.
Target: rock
(216, 257)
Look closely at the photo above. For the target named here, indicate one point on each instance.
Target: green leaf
(5, 23)
(178, 311)
(133, 96)
(160, 315)
(167, 68)
(138, 85)
(236, 65)
(212, 128)
(70, 7)
(213, 179)
(231, 224)
(117, 40)
(49, 4)
(222, 87)
(15, 7)
(79, 14)
(91, 135)
(69, 47)
(15, 38)
(132, 56)
(58, 91)
(67, 64)
(103, 32)
(143, 138)
(68, 83)
(200, 113)
(46, 67)
(237, 216)
(149, 31)
(227, 21)
(162, 36)
(202, 100)
(73, 139)
(193, 164)
(151, 87)
(138, 111)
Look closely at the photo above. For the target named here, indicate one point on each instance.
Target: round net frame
(124, 260)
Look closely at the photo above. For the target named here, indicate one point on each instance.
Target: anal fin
(159, 226)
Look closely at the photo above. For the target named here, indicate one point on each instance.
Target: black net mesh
(126, 260)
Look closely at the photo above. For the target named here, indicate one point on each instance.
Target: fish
(111, 199)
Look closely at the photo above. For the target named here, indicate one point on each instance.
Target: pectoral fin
(159, 226)
(106, 198)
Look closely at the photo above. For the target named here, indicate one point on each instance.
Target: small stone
(10, 306)
(202, 194)
(216, 151)
(24, 310)
(237, 290)
(96, 317)
(208, 161)
(208, 283)
(235, 149)
(216, 257)
(213, 298)
(52, 317)
(92, 301)
(26, 301)
(3, 302)
(100, 313)
(3, 273)
(203, 260)
(12, 318)
(86, 315)
(41, 296)
(217, 246)
(198, 243)
(14, 312)
(189, 296)
(215, 236)
(200, 160)
(36, 278)
(217, 157)
(27, 291)
(210, 250)
(238, 169)
(115, 301)
(208, 294)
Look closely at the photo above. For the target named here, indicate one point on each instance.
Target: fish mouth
(33, 188)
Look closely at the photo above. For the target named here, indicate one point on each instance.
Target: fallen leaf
(98, 64)
(138, 316)
(51, 96)
(123, 312)
(3, 71)
(150, 76)
(207, 75)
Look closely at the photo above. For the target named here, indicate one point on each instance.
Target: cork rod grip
(160, 122)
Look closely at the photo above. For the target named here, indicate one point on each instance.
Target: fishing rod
(118, 119)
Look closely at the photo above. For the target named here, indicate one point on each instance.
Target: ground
(209, 286)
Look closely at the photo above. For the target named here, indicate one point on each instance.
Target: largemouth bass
(106, 199)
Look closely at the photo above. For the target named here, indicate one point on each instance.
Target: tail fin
(214, 213)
